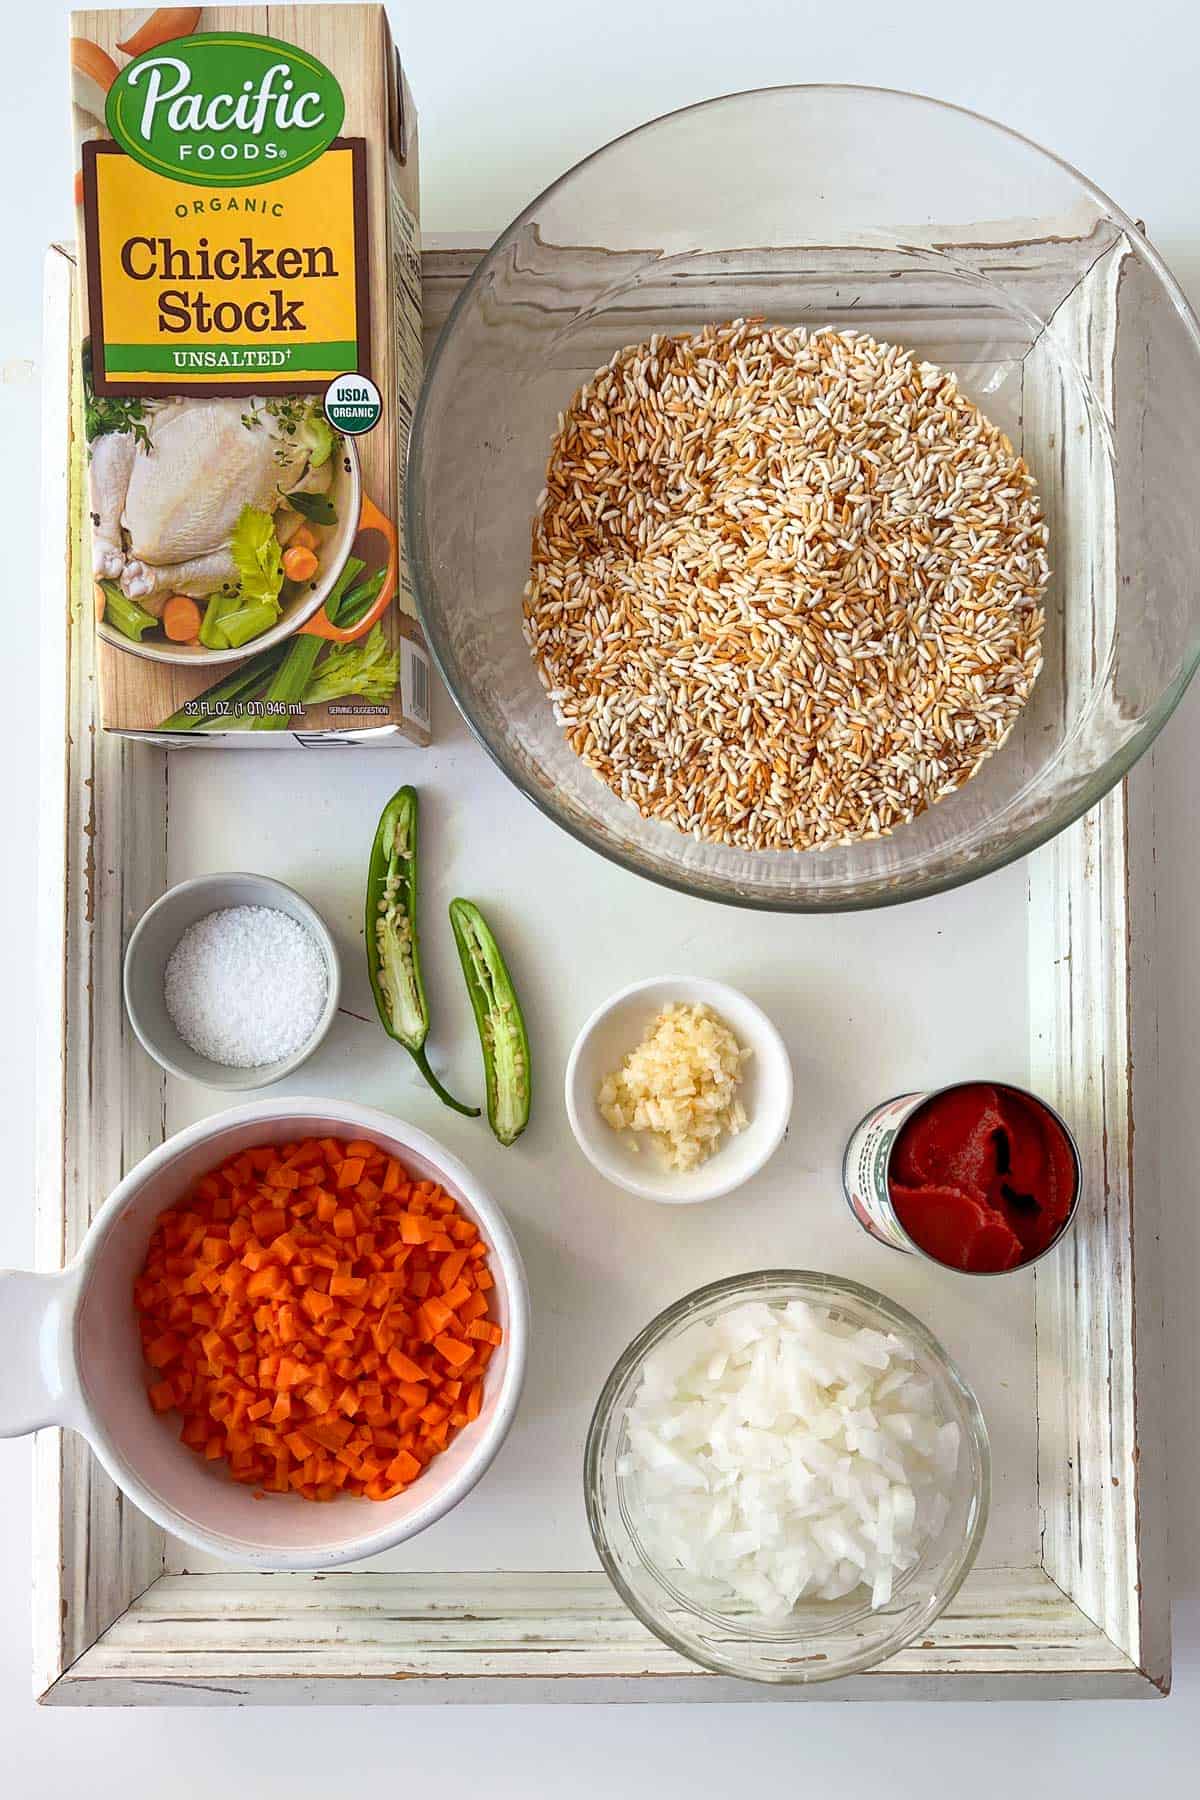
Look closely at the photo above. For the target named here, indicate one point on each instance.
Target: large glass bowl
(820, 1639)
(859, 208)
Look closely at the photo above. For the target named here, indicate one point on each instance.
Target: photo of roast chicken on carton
(250, 357)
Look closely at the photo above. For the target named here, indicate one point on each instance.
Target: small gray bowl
(149, 950)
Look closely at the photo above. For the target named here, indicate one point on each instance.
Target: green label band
(228, 359)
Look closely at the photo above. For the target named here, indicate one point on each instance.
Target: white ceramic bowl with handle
(73, 1354)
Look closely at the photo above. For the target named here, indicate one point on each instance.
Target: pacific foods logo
(225, 109)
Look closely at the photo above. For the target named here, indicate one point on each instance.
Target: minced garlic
(680, 1086)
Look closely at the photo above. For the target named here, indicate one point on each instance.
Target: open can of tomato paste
(981, 1177)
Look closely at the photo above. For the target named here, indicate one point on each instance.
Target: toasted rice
(785, 589)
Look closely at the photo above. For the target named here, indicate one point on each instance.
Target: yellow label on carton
(226, 291)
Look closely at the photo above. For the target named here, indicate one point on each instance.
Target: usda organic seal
(353, 404)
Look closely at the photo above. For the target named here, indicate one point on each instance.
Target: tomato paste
(982, 1178)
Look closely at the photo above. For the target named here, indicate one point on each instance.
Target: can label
(865, 1169)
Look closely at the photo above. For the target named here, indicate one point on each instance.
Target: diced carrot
(163, 1350)
(268, 1281)
(268, 1223)
(321, 1319)
(403, 1367)
(330, 1437)
(403, 1467)
(453, 1349)
(416, 1229)
(291, 1373)
(435, 1315)
(451, 1268)
(348, 1287)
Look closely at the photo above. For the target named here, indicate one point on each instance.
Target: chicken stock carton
(251, 352)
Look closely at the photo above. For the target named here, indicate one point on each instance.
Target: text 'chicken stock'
(250, 306)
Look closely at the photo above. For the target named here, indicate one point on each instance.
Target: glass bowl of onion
(786, 1477)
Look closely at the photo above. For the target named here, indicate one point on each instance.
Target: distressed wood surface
(397, 1638)
(1094, 1052)
(1099, 1299)
(110, 1628)
(102, 859)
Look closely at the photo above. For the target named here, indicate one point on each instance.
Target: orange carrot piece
(451, 1268)
(163, 1350)
(435, 1315)
(403, 1367)
(485, 1330)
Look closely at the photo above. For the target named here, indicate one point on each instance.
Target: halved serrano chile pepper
(393, 952)
(502, 1034)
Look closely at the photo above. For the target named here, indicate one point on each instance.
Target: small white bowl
(616, 1028)
(149, 950)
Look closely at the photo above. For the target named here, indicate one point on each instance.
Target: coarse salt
(246, 986)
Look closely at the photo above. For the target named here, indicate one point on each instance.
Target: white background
(509, 95)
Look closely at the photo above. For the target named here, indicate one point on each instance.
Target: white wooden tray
(505, 1600)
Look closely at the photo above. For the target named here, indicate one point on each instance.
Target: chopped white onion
(784, 1455)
